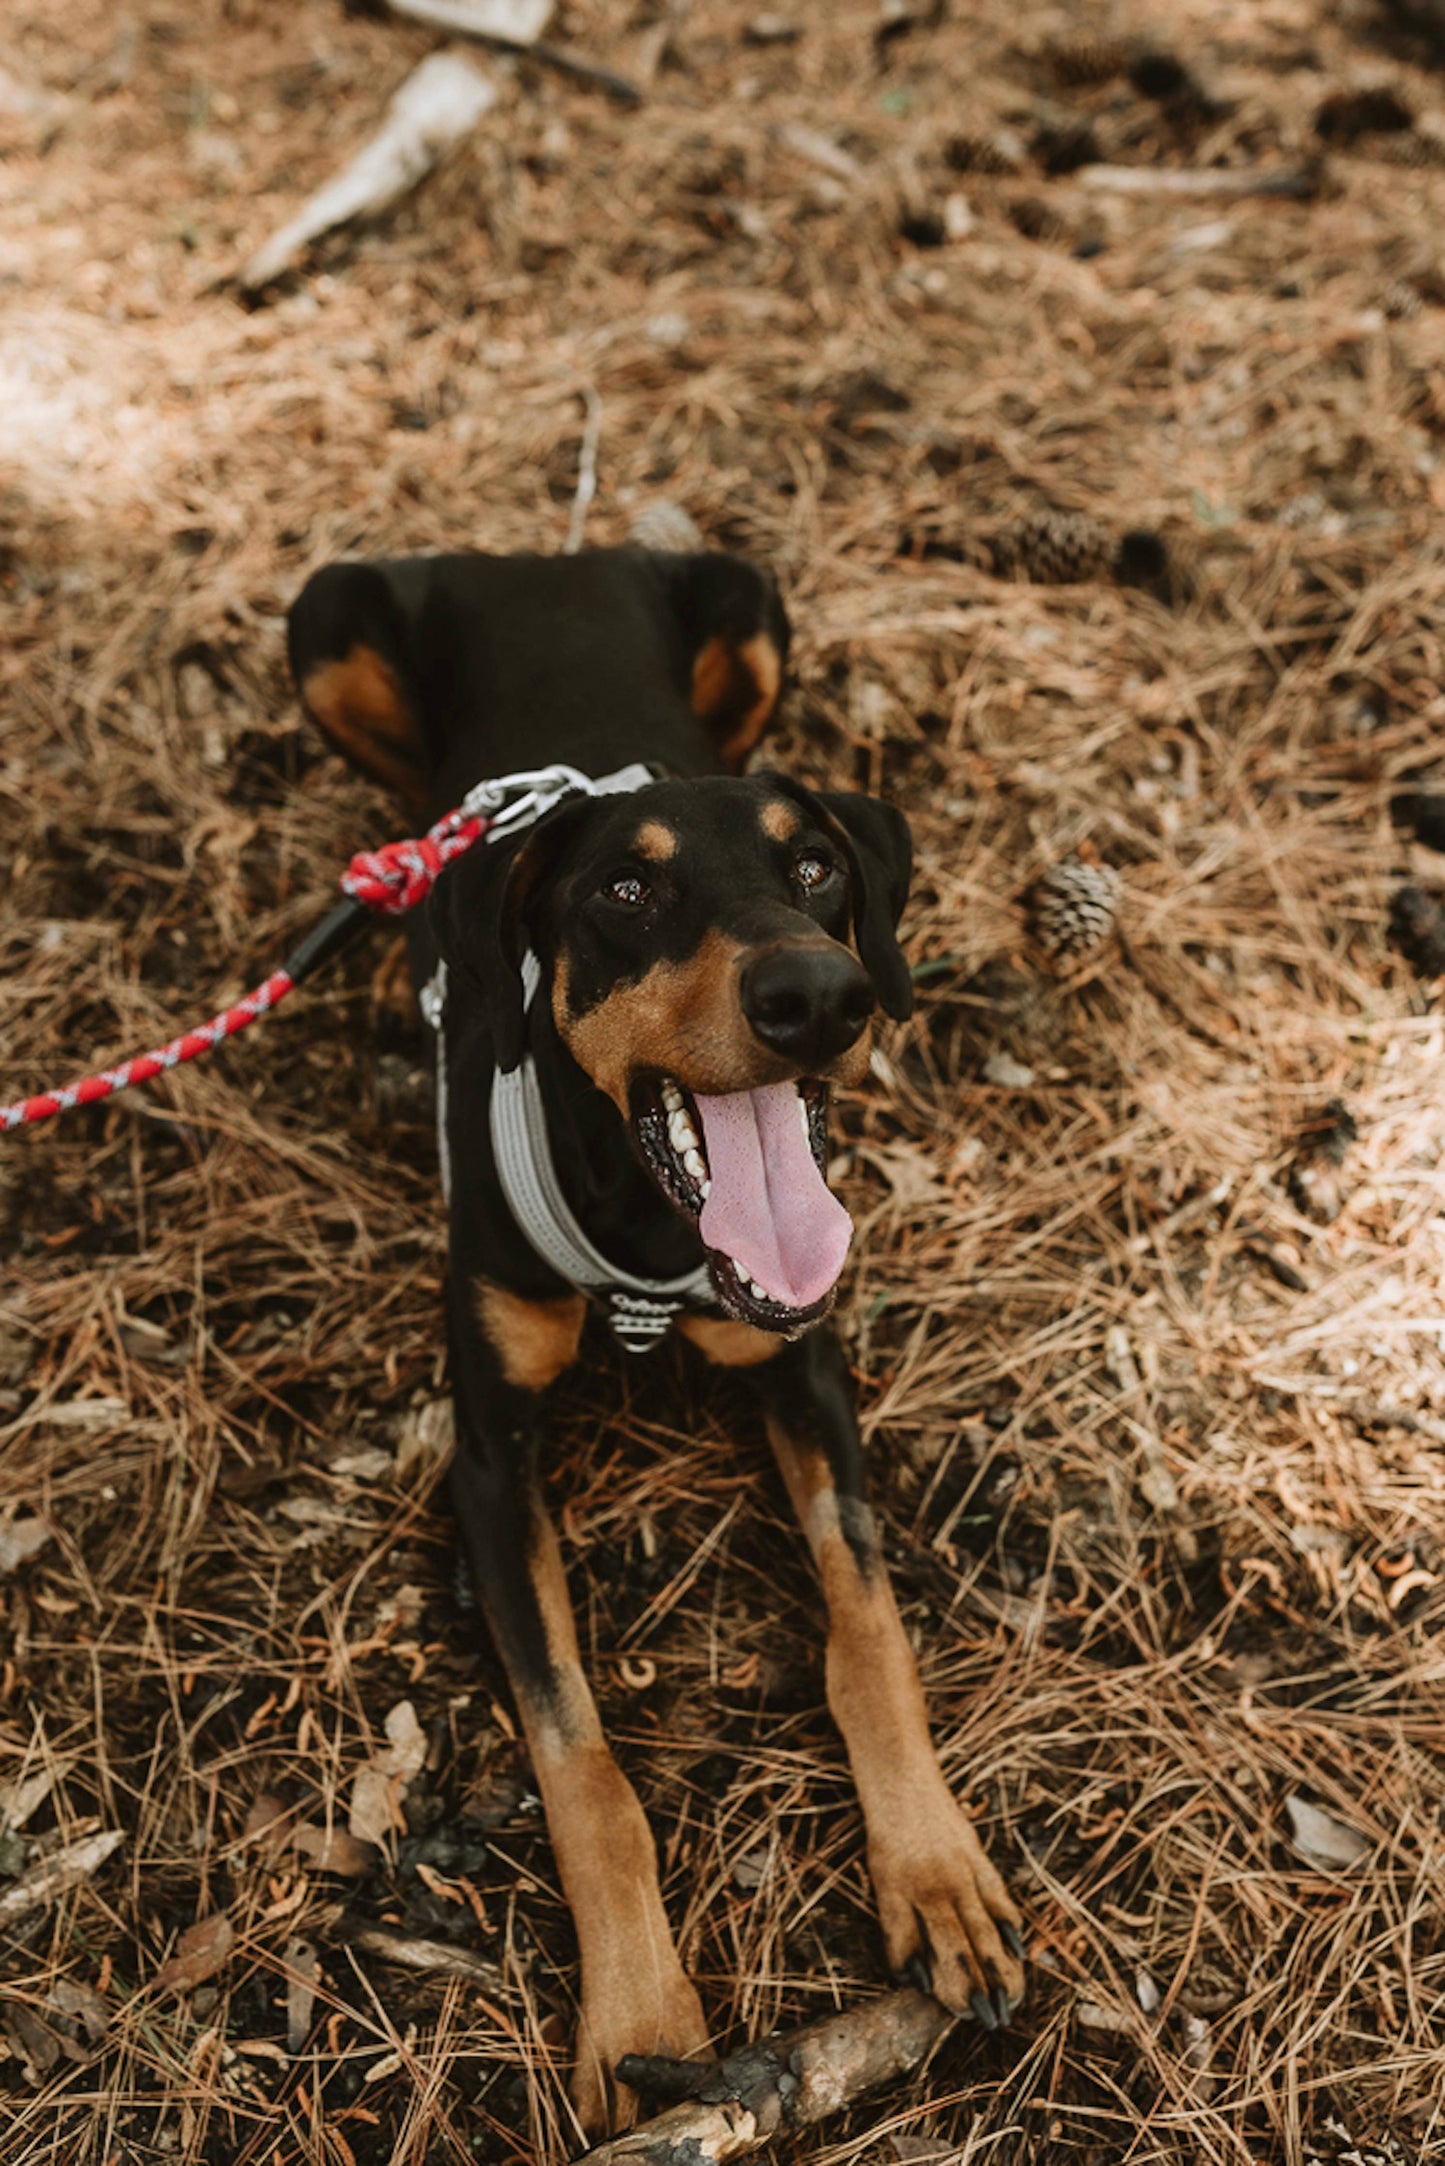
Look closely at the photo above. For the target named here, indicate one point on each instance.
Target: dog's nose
(807, 1003)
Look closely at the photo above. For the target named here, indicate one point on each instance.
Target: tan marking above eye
(780, 819)
(655, 841)
(535, 1340)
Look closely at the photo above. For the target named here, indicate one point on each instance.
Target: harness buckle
(640, 1322)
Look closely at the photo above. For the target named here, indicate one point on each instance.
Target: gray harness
(640, 1310)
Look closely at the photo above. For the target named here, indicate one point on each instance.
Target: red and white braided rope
(390, 880)
(145, 1065)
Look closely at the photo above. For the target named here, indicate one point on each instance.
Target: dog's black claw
(1012, 1938)
(982, 2007)
(1003, 2007)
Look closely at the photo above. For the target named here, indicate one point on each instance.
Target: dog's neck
(602, 1178)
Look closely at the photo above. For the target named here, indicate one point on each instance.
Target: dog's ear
(481, 912)
(879, 848)
(348, 641)
(735, 634)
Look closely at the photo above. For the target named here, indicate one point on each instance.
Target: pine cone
(1078, 62)
(1315, 1184)
(997, 151)
(666, 527)
(1053, 548)
(1075, 907)
(1348, 114)
(1417, 929)
(1400, 301)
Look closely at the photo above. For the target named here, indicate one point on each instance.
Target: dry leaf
(21, 1799)
(199, 1953)
(333, 1850)
(20, 1541)
(53, 1875)
(377, 1793)
(426, 1438)
(34, 2043)
(84, 2004)
(1322, 1840)
(303, 1967)
(269, 1821)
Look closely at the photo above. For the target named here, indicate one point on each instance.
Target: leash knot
(400, 875)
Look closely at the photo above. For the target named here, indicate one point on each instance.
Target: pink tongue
(769, 1208)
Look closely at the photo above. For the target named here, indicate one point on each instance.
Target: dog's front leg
(635, 1995)
(939, 1898)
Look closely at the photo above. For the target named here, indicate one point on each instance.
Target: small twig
(586, 472)
(429, 1955)
(1299, 183)
(1370, 1416)
(783, 2083)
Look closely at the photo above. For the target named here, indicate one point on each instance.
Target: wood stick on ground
(430, 1955)
(1299, 183)
(517, 30)
(440, 102)
(783, 2083)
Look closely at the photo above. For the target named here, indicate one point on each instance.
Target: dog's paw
(948, 1921)
(630, 2011)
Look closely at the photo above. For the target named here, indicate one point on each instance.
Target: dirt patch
(1154, 1381)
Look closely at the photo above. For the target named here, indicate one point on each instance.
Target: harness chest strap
(640, 1310)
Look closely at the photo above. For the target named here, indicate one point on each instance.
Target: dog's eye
(810, 870)
(628, 889)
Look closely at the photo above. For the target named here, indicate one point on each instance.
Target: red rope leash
(390, 880)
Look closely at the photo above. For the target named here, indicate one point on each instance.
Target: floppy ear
(349, 648)
(479, 912)
(879, 848)
(735, 629)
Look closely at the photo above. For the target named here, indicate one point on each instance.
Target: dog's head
(713, 952)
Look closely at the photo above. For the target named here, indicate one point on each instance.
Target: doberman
(711, 949)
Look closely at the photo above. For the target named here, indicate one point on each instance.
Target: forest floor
(1147, 1307)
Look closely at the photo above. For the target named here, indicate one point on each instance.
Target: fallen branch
(439, 103)
(733, 2108)
(515, 26)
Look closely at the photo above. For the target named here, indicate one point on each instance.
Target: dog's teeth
(693, 1161)
(681, 1133)
(803, 1113)
(672, 1097)
(705, 1188)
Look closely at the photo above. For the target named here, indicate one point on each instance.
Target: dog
(680, 970)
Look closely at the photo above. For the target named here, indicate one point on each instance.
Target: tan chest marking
(730, 1344)
(535, 1340)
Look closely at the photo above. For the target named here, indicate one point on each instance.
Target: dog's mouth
(748, 1169)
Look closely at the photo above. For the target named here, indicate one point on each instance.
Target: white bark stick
(438, 104)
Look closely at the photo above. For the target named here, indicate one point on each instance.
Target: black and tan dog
(711, 951)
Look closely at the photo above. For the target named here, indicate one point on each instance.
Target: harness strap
(640, 1310)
